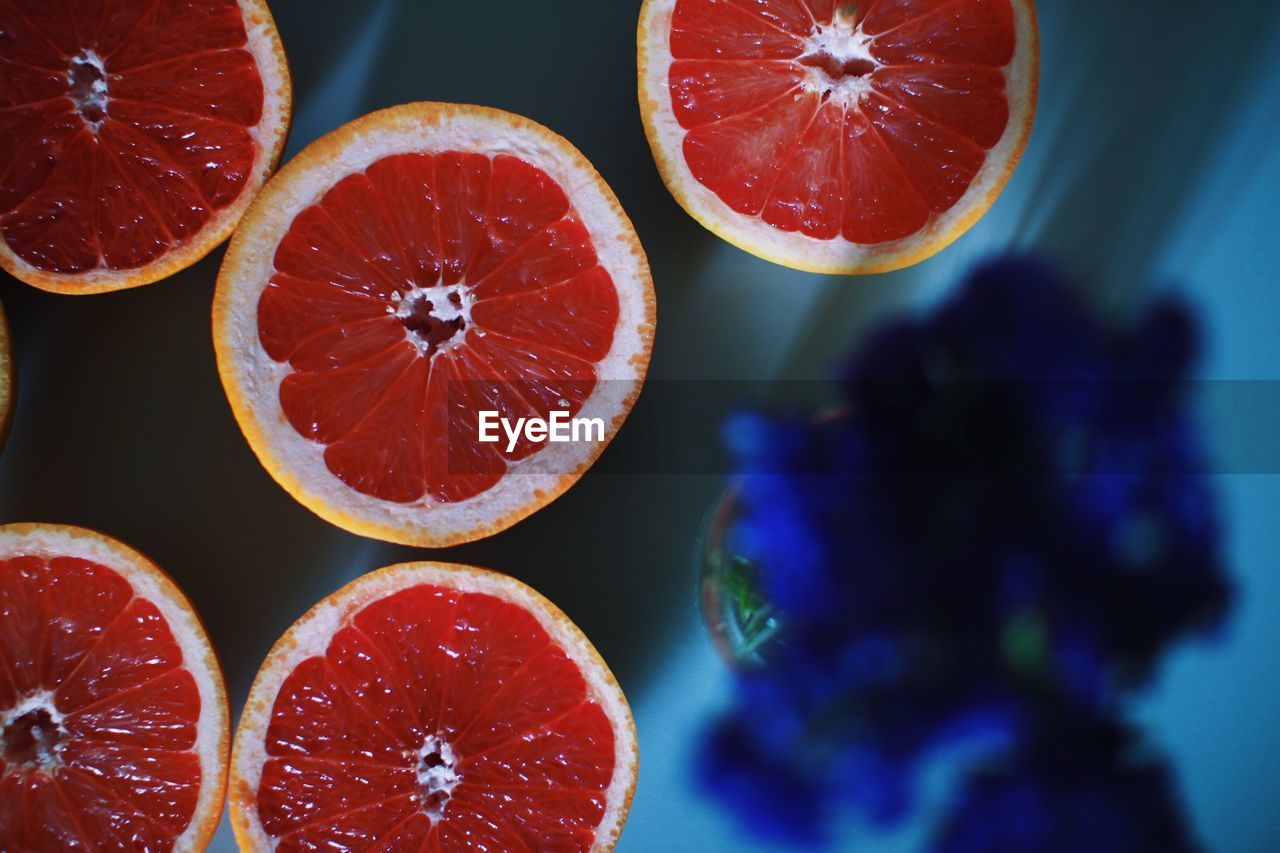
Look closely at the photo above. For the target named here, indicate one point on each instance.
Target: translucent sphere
(735, 607)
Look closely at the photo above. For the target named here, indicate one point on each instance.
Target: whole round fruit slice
(112, 710)
(433, 707)
(407, 272)
(838, 136)
(133, 134)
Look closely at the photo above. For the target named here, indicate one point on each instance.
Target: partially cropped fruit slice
(433, 707)
(112, 709)
(133, 135)
(837, 136)
(407, 272)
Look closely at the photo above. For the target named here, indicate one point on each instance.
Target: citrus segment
(112, 711)
(135, 134)
(410, 271)
(838, 137)
(433, 707)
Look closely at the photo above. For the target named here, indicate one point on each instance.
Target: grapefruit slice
(403, 274)
(838, 136)
(132, 135)
(433, 707)
(112, 709)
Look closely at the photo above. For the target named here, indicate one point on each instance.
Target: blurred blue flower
(1005, 524)
(1079, 789)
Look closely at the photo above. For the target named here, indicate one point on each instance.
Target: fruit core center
(837, 70)
(434, 318)
(88, 79)
(837, 59)
(33, 735)
(437, 776)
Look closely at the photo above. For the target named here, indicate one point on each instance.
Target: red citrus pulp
(409, 271)
(132, 134)
(838, 136)
(112, 711)
(433, 707)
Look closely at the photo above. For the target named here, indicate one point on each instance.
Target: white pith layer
(41, 700)
(448, 302)
(96, 97)
(843, 40)
(441, 779)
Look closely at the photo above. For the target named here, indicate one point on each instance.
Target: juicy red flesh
(767, 135)
(124, 126)
(391, 382)
(533, 753)
(102, 753)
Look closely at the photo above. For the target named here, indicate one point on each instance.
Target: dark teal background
(1155, 163)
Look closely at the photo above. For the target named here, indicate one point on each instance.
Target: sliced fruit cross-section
(433, 707)
(838, 136)
(133, 135)
(402, 275)
(113, 716)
